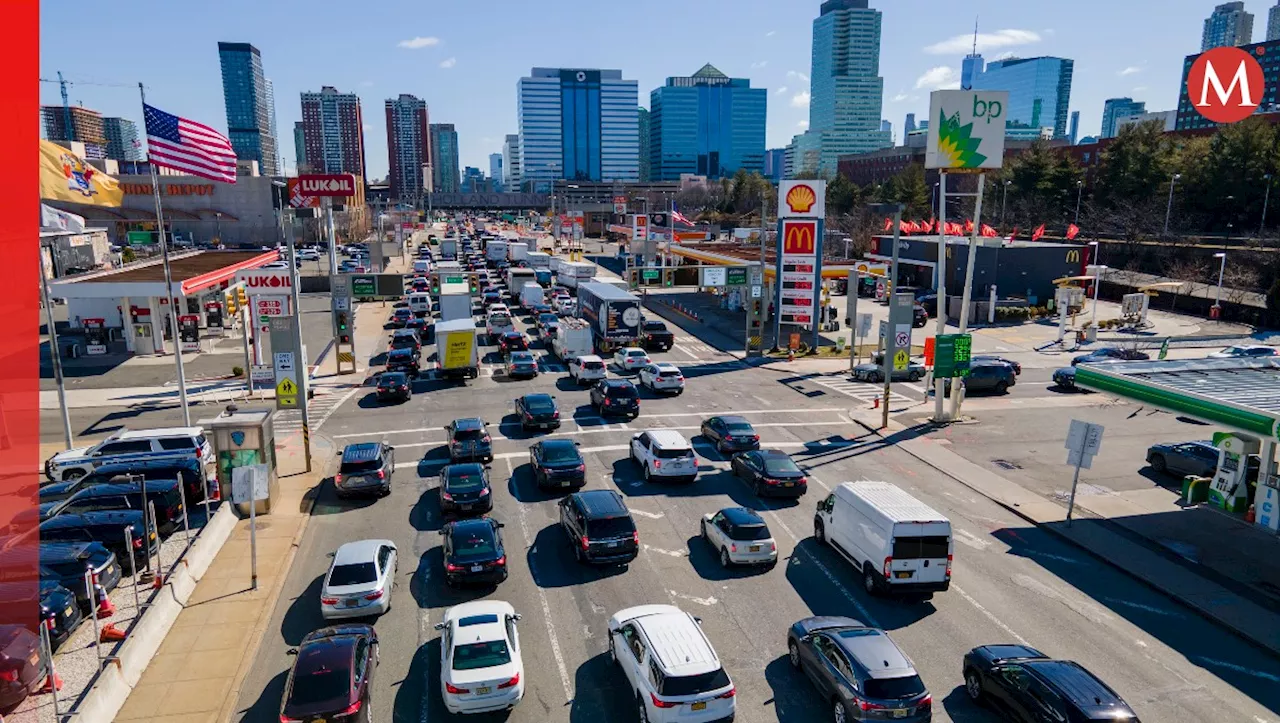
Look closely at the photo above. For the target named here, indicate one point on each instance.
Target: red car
(513, 341)
(331, 676)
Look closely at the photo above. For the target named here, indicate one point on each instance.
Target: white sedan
(360, 580)
(662, 377)
(630, 358)
(480, 665)
(1245, 351)
(308, 255)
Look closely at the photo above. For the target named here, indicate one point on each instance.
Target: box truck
(516, 251)
(573, 339)
(614, 315)
(455, 301)
(541, 264)
(575, 273)
(456, 349)
(495, 250)
(517, 277)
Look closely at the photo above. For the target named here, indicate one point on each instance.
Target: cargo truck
(614, 315)
(456, 349)
(449, 249)
(572, 274)
(455, 301)
(612, 281)
(517, 251)
(517, 277)
(494, 251)
(541, 264)
(573, 339)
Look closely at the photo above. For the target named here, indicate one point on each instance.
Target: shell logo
(801, 198)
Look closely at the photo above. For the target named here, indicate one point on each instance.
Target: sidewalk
(1101, 536)
(196, 673)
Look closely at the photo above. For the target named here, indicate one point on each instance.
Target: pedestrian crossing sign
(900, 360)
(287, 388)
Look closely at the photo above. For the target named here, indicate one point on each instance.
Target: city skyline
(920, 52)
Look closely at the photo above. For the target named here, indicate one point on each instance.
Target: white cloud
(1139, 89)
(941, 77)
(1130, 70)
(418, 43)
(760, 64)
(781, 90)
(771, 33)
(367, 128)
(986, 41)
(366, 84)
(800, 100)
(1005, 55)
(899, 97)
(803, 125)
(448, 62)
(797, 75)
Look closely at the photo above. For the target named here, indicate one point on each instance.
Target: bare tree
(1239, 280)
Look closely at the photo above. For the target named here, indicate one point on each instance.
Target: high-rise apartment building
(1114, 109)
(408, 147)
(1267, 55)
(707, 124)
(1039, 90)
(271, 122)
(333, 130)
(511, 162)
(473, 181)
(123, 143)
(250, 115)
(909, 125)
(1073, 128)
(444, 155)
(299, 147)
(495, 171)
(578, 124)
(1273, 22)
(1228, 25)
(646, 170)
(775, 164)
(846, 90)
(86, 126)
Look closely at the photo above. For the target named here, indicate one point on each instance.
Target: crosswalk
(866, 392)
(326, 399)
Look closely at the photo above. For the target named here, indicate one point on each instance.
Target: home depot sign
(332, 184)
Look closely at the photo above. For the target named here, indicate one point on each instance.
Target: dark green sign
(649, 273)
(364, 287)
(951, 355)
(736, 276)
(454, 279)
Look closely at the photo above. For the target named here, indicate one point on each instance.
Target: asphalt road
(1011, 583)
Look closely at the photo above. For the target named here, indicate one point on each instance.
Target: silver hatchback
(360, 580)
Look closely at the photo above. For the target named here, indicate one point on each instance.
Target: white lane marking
(1051, 556)
(542, 600)
(584, 450)
(968, 538)
(646, 513)
(334, 408)
(708, 601)
(989, 615)
(425, 633)
(821, 484)
(602, 420)
(389, 431)
(688, 353)
(669, 553)
(1237, 668)
(1141, 606)
(795, 540)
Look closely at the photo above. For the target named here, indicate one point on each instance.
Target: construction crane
(66, 104)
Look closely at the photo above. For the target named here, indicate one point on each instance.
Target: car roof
(465, 469)
(93, 519)
(403, 351)
(478, 621)
(540, 396)
(351, 553)
(875, 650)
(774, 454)
(633, 350)
(362, 452)
(392, 375)
(66, 551)
(617, 382)
(472, 525)
(734, 419)
(590, 358)
(1074, 683)
(741, 516)
(558, 444)
(522, 356)
(678, 642)
(602, 503)
(159, 432)
(124, 488)
(666, 367)
(468, 424)
(513, 333)
(331, 652)
(668, 438)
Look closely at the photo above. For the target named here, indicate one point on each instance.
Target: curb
(1236, 629)
(111, 688)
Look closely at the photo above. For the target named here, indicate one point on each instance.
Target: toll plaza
(131, 303)
(1239, 396)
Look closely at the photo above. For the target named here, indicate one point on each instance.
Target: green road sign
(951, 355)
(649, 273)
(364, 287)
(140, 238)
(737, 276)
(454, 279)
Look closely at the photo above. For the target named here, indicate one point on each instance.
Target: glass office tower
(578, 124)
(249, 114)
(1039, 90)
(707, 124)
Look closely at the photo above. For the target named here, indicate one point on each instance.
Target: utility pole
(55, 352)
(893, 289)
(938, 385)
(968, 284)
(303, 402)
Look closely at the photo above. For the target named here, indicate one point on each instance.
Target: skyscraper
(271, 122)
(333, 131)
(1039, 90)
(299, 147)
(473, 180)
(495, 171)
(887, 127)
(250, 116)
(511, 162)
(1273, 22)
(909, 125)
(578, 124)
(1227, 25)
(646, 172)
(1114, 109)
(972, 63)
(444, 154)
(707, 124)
(847, 92)
(775, 162)
(123, 143)
(408, 146)
(1073, 130)
(86, 127)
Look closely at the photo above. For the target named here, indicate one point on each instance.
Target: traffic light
(757, 308)
(341, 326)
(241, 298)
(474, 280)
(230, 301)
(435, 284)
(668, 277)
(633, 278)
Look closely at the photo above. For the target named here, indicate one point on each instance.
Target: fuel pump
(1238, 463)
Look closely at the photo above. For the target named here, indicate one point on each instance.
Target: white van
(421, 266)
(898, 542)
(420, 304)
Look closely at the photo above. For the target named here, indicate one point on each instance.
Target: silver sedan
(360, 580)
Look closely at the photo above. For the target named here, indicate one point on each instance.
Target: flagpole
(54, 351)
(168, 279)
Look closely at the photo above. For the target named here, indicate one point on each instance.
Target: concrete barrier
(111, 688)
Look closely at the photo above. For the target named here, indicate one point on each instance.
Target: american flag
(681, 218)
(185, 145)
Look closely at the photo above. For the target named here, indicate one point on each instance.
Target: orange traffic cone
(159, 582)
(110, 634)
(106, 608)
(1249, 514)
(51, 682)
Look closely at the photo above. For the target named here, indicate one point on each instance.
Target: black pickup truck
(655, 336)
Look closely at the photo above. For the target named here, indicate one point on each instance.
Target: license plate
(477, 568)
(564, 483)
(351, 603)
(788, 484)
(700, 705)
(899, 712)
(613, 544)
(69, 611)
(484, 690)
(902, 575)
(464, 507)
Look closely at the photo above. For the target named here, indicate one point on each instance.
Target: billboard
(799, 272)
(803, 199)
(327, 184)
(966, 129)
(639, 227)
(296, 199)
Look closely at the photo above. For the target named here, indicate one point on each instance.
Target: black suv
(599, 527)
(188, 469)
(408, 361)
(366, 469)
(469, 440)
(615, 396)
(473, 552)
(1029, 687)
(128, 496)
(655, 335)
(557, 463)
(465, 488)
(537, 411)
(987, 377)
(394, 386)
(65, 563)
(108, 529)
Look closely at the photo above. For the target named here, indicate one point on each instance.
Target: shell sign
(802, 199)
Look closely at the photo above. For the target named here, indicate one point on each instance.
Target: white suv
(587, 368)
(664, 453)
(662, 377)
(673, 671)
(120, 447)
(630, 358)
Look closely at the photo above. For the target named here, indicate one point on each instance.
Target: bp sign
(951, 355)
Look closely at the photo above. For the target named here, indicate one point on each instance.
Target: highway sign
(649, 273)
(736, 276)
(713, 276)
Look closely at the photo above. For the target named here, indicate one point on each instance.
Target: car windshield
(749, 532)
(894, 688)
(539, 403)
(481, 655)
(635, 353)
(464, 480)
(780, 465)
(593, 365)
(355, 574)
(605, 527)
(560, 453)
(695, 684)
(392, 379)
(654, 326)
(473, 544)
(318, 686)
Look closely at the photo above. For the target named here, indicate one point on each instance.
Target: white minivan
(420, 304)
(900, 544)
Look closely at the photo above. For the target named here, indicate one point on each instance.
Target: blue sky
(465, 58)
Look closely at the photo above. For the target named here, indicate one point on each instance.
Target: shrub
(237, 371)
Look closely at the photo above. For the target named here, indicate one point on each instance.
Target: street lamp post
(1004, 197)
(1079, 192)
(1099, 270)
(1169, 206)
(1262, 224)
(1096, 256)
(1222, 267)
(217, 216)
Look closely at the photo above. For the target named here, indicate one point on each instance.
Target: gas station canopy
(193, 273)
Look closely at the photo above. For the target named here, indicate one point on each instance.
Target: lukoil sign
(966, 129)
(335, 184)
(258, 280)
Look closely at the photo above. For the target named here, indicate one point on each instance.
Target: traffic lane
(1036, 588)
(89, 424)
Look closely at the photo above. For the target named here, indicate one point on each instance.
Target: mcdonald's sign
(1073, 256)
(800, 237)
